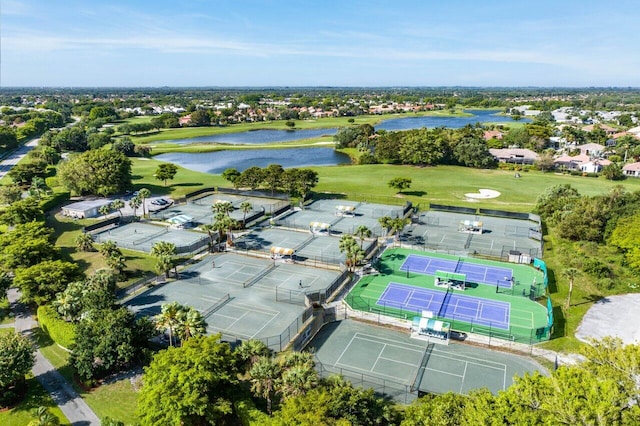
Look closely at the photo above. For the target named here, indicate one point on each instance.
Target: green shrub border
(60, 331)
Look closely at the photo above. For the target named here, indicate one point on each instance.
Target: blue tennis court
(474, 272)
(471, 309)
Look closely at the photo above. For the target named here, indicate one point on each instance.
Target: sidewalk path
(72, 405)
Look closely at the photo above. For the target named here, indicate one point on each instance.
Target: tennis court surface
(476, 273)
(398, 366)
(447, 304)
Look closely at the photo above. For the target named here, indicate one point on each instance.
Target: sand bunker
(482, 194)
(615, 316)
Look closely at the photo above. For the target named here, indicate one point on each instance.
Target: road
(16, 156)
(72, 405)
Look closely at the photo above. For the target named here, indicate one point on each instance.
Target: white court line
(255, 308)
(426, 268)
(265, 324)
(237, 319)
(397, 344)
(399, 362)
(444, 372)
(464, 373)
(384, 345)
(469, 359)
(351, 367)
(345, 350)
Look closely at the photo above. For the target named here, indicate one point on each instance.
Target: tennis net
(217, 305)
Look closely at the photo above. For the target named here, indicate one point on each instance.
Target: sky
(198, 43)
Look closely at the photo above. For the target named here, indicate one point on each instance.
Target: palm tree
(109, 248)
(264, 375)
(164, 252)
(117, 205)
(69, 302)
(226, 224)
(211, 231)
(570, 274)
(43, 417)
(221, 206)
(362, 232)
(246, 207)
(353, 253)
(250, 351)
(144, 193)
(135, 203)
(84, 242)
(167, 319)
(190, 324)
(397, 225)
(105, 210)
(385, 222)
(297, 381)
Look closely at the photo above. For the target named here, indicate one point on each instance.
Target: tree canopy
(98, 172)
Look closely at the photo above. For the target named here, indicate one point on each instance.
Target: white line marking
(395, 343)
(464, 373)
(345, 350)
(378, 358)
(265, 324)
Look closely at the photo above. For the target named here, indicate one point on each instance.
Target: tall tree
(40, 283)
(245, 207)
(190, 324)
(165, 172)
(117, 204)
(264, 376)
(570, 274)
(400, 183)
(144, 193)
(17, 357)
(168, 318)
(362, 232)
(191, 385)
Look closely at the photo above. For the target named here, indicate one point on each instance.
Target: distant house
(591, 149)
(571, 163)
(514, 155)
(85, 209)
(185, 121)
(607, 129)
(493, 134)
(631, 170)
(595, 166)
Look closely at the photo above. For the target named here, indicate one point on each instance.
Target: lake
(219, 161)
(257, 137)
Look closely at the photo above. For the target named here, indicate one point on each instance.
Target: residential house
(514, 155)
(594, 166)
(493, 134)
(632, 169)
(591, 149)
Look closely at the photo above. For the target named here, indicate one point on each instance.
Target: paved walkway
(72, 405)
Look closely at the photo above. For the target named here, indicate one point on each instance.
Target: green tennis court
(524, 319)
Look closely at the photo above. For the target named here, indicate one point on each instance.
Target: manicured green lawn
(448, 184)
(116, 400)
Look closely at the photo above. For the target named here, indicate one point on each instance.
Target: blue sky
(319, 43)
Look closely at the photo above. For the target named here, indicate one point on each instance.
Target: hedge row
(60, 331)
(55, 200)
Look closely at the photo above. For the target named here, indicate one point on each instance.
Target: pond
(256, 137)
(479, 116)
(219, 161)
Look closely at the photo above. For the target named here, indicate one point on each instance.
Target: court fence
(397, 390)
(499, 253)
(367, 309)
(275, 343)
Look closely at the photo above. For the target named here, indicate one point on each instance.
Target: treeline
(597, 237)
(295, 182)
(426, 147)
(205, 382)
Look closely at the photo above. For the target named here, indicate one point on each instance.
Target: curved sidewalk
(72, 405)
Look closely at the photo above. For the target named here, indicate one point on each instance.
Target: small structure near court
(427, 326)
(345, 211)
(180, 221)
(319, 228)
(471, 227)
(282, 253)
(450, 280)
(85, 209)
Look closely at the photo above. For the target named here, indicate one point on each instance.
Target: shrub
(60, 331)
(596, 268)
(54, 200)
